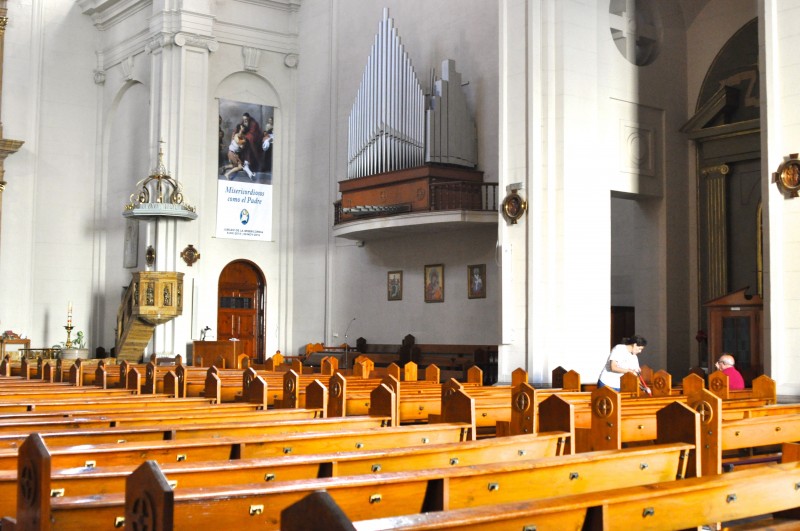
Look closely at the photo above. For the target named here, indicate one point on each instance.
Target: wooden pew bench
(455, 360)
(665, 506)
(238, 412)
(101, 403)
(616, 420)
(434, 489)
(45, 391)
(192, 380)
(719, 436)
(240, 447)
(417, 399)
(88, 481)
(379, 494)
(256, 424)
(232, 384)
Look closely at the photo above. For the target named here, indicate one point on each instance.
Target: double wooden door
(240, 311)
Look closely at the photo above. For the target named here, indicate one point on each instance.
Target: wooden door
(240, 309)
(734, 322)
(623, 323)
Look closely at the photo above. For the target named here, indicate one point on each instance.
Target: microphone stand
(346, 345)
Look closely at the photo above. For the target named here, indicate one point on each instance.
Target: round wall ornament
(190, 255)
(788, 176)
(514, 206)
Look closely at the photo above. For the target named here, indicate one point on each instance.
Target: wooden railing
(444, 196)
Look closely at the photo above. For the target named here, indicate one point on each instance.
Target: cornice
(107, 13)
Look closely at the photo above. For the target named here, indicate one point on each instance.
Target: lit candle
(69, 314)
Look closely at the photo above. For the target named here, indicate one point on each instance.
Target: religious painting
(245, 171)
(394, 285)
(476, 281)
(434, 283)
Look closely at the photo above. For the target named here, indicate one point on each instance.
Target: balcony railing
(444, 196)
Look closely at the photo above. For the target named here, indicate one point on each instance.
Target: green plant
(78, 342)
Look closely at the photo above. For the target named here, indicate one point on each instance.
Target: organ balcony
(427, 198)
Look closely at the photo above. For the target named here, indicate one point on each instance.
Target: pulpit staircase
(152, 298)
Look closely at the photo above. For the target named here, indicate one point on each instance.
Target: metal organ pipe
(387, 115)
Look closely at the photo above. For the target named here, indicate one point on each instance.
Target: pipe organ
(450, 130)
(394, 126)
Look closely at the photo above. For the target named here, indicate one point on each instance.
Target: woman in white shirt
(623, 359)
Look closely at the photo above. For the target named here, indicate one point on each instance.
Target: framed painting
(434, 283)
(476, 281)
(394, 286)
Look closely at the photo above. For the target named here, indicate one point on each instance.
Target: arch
(736, 66)
(248, 87)
(241, 303)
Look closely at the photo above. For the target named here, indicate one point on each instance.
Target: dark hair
(634, 340)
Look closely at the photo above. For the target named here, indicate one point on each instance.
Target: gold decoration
(159, 195)
(788, 176)
(190, 255)
(150, 256)
(514, 206)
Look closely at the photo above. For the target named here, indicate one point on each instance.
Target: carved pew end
(315, 512)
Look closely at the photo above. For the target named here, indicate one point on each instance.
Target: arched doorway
(240, 307)
(726, 130)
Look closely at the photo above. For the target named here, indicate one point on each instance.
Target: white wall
(363, 289)
(335, 281)
(92, 104)
(49, 102)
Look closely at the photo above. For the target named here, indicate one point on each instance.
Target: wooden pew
(51, 403)
(689, 503)
(378, 494)
(88, 481)
(719, 435)
(417, 399)
(243, 446)
(42, 422)
(177, 430)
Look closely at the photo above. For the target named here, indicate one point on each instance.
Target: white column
(179, 89)
(780, 138)
(556, 260)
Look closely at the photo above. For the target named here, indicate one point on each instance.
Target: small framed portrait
(394, 286)
(434, 283)
(476, 281)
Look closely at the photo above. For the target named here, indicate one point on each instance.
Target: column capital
(196, 41)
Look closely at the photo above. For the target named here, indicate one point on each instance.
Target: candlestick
(68, 343)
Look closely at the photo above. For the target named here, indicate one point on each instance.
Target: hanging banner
(244, 176)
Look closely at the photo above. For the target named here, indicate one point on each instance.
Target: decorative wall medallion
(788, 176)
(150, 256)
(514, 206)
(190, 255)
